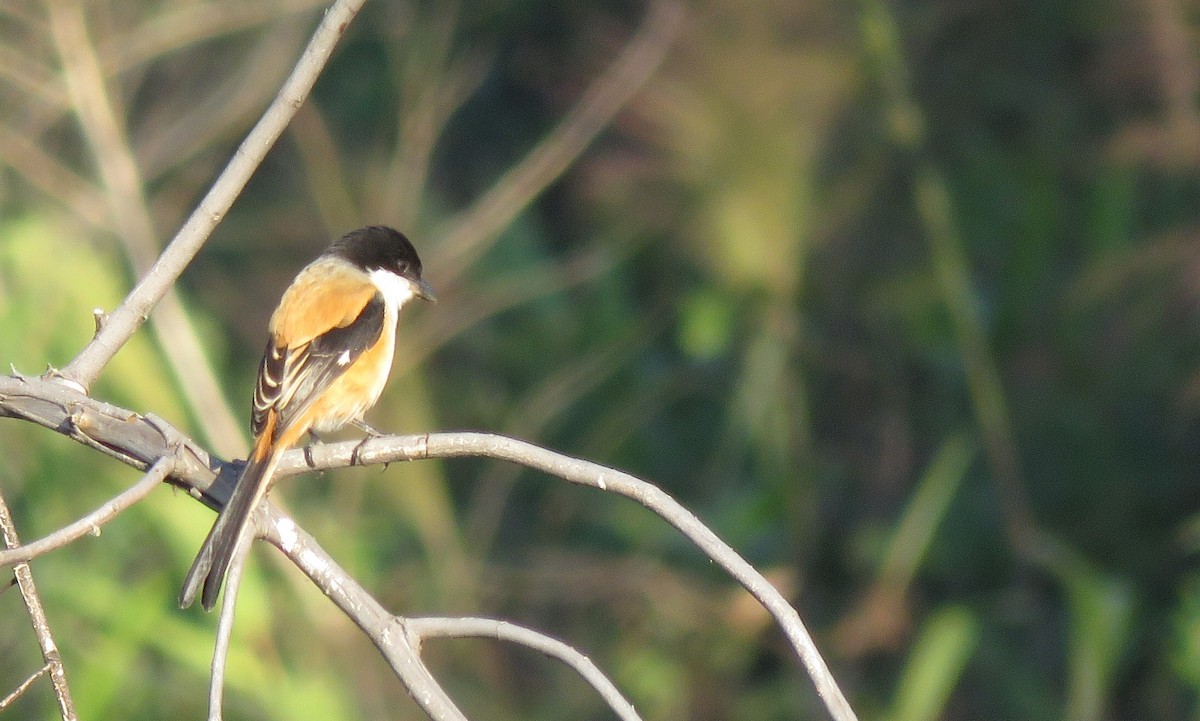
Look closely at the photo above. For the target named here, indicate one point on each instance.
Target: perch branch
(390, 449)
(63, 408)
(384, 629)
(453, 445)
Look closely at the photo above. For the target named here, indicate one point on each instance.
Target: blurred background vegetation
(901, 298)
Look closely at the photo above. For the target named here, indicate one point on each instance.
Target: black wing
(289, 379)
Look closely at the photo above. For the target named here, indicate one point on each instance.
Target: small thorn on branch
(100, 318)
(54, 374)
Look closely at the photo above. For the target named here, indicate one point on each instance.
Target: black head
(378, 247)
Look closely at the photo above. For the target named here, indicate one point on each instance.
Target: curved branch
(435, 627)
(453, 445)
(139, 442)
(90, 524)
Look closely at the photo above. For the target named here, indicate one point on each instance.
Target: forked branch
(140, 442)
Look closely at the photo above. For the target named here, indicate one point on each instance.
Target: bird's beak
(425, 291)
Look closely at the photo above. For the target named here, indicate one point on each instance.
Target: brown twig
(22, 687)
(41, 626)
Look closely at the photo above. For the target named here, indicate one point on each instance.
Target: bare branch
(145, 443)
(432, 627)
(133, 311)
(139, 441)
(66, 410)
(453, 445)
(130, 218)
(385, 630)
(23, 687)
(41, 626)
(135, 440)
(91, 523)
(233, 581)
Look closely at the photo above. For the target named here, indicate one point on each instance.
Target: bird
(328, 356)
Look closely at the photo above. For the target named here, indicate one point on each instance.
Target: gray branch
(59, 402)
(52, 659)
(134, 310)
(420, 629)
(91, 523)
(140, 442)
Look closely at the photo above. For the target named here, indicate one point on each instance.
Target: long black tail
(215, 555)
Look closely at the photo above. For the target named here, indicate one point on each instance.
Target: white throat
(396, 290)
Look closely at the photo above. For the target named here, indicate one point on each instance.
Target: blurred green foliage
(901, 298)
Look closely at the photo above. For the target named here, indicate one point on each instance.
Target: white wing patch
(344, 358)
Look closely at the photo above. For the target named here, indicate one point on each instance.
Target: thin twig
(233, 580)
(37, 615)
(420, 629)
(91, 523)
(23, 687)
(133, 311)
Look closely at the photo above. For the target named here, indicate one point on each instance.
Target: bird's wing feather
(298, 363)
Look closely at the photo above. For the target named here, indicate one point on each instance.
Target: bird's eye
(402, 267)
